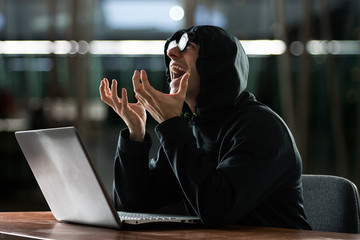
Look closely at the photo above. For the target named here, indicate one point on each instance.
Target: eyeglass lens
(182, 44)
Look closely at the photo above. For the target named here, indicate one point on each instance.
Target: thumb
(184, 84)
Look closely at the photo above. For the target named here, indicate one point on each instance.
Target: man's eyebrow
(192, 38)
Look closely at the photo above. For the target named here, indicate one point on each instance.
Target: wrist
(136, 136)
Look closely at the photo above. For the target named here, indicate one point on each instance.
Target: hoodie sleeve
(141, 184)
(254, 160)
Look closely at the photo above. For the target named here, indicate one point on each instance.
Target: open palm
(160, 105)
(133, 114)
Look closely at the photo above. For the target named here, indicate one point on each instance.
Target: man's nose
(173, 52)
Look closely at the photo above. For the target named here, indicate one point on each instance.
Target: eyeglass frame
(181, 44)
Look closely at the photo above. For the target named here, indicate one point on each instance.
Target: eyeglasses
(182, 44)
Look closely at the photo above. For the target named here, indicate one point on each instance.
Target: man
(227, 157)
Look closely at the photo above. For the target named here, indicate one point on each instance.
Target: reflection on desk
(42, 225)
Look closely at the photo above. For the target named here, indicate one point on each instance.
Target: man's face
(182, 62)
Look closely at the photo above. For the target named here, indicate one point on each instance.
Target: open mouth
(177, 71)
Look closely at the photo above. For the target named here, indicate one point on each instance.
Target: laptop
(70, 184)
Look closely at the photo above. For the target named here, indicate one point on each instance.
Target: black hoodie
(233, 162)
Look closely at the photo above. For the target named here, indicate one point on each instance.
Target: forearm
(130, 171)
(141, 184)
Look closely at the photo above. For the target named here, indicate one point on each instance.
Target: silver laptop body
(70, 184)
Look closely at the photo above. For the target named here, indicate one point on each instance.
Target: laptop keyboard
(143, 216)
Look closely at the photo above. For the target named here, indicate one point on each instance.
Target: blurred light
(317, 47)
(176, 13)
(140, 15)
(83, 47)
(95, 111)
(13, 124)
(61, 109)
(156, 47)
(62, 47)
(297, 48)
(207, 15)
(26, 47)
(66, 110)
(347, 47)
(74, 47)
(127, 47)
(344, 47)
(264, 47)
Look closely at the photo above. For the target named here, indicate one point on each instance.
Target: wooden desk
(42, 225)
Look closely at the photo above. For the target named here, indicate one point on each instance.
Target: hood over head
(223, 67)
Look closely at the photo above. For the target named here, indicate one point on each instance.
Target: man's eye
(190, 45)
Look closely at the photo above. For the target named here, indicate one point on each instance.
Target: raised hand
(161, 106)
(133, 114)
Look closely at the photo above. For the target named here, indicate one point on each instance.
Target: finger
(114, 88)
(124, 98)
(144, 104)
(141, 100)
(103, 92)
(145, 81)
(151, 94)
(183, 85)
(114, 95)
(139, 88)
(106, 87)
(102, 86)
(136, 80)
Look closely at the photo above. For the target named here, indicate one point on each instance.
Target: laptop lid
(67, 177)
